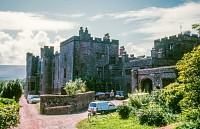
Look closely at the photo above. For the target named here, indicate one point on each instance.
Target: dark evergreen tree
(12, 90)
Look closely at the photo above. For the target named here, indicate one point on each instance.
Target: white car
(101, 107)
(33, 98)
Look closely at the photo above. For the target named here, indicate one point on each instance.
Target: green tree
(2, 84)
(12, 90)
(73, 87)
(189, 76)
(197, 27)
(173, 94)
(92, 83)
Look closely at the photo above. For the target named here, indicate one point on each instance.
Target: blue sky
(28, 25)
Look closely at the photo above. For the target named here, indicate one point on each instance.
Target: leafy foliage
(156, 115)
(12, 90)
(74, 87)
(173, 94)
(93, 83)
(2, 84)
(139, 101)
(197, 27)
(189, 76)
(9, 113)
(124, 111)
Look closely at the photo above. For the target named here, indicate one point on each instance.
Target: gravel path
(31, 119)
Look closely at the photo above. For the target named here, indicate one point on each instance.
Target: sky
(28, 25)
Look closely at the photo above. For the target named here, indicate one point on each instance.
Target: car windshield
(35, 97)
(119, 92)
(93, 105)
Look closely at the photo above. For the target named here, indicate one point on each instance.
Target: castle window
(65, 72)
(100, 72)
(100, 56)
(53, 75)
(65, 58)
(112, 60)
(127, 71)
(170, 46)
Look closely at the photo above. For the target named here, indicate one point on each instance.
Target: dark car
(100, 95)
(107, 94)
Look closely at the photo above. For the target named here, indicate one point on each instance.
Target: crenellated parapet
(85, 36)
(186, 35)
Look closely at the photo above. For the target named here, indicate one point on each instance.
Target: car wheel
(103, 112)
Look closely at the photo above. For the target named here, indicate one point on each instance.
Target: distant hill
(8, 72)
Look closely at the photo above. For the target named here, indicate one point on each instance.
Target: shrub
(191, 114)
(2, 84)
(123, 111)
(74, 87)
(139, 101)
(157, 97)
(12, 89)
(9, 113)
(156, 115)
(173, 94)
(188, 125)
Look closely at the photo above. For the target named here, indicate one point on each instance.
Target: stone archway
(146, 85)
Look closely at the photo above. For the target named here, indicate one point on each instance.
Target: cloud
(76, 15)
(138, 50)
(14, 49)
(31, 21)
(97, 17)
(160, 22)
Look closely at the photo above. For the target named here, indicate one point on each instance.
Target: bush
(139, 101)
(74, 87)
(2, 84)
(123, 111)
(12, 90)
(188, 125)
(9, 113)
(173, 94)
(191, 114)
(156, 115)
(157, 97)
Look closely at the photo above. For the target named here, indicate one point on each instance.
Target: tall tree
(12, 90)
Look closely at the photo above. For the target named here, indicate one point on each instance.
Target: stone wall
(156, 75)
(64, 104)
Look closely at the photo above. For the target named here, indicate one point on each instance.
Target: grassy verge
(111, 121)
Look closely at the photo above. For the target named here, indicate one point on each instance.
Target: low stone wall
(64, 104)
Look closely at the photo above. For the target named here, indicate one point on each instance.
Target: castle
(110, 66)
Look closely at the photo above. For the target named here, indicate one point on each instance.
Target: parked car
(101, 107)
(119, 95)
(107, 94)
(100, 95)
(33, 98)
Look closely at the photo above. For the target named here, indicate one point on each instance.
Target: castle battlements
(85, 36)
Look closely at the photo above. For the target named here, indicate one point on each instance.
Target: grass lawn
(111, 121)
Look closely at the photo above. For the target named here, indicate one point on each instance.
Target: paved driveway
(31, 119)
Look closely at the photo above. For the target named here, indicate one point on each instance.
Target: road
(31, 119)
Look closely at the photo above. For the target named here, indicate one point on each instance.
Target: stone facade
(81, 56)
(149, 79)
(31, 74)
(46, 72)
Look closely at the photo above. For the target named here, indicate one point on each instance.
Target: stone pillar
(134, 75)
